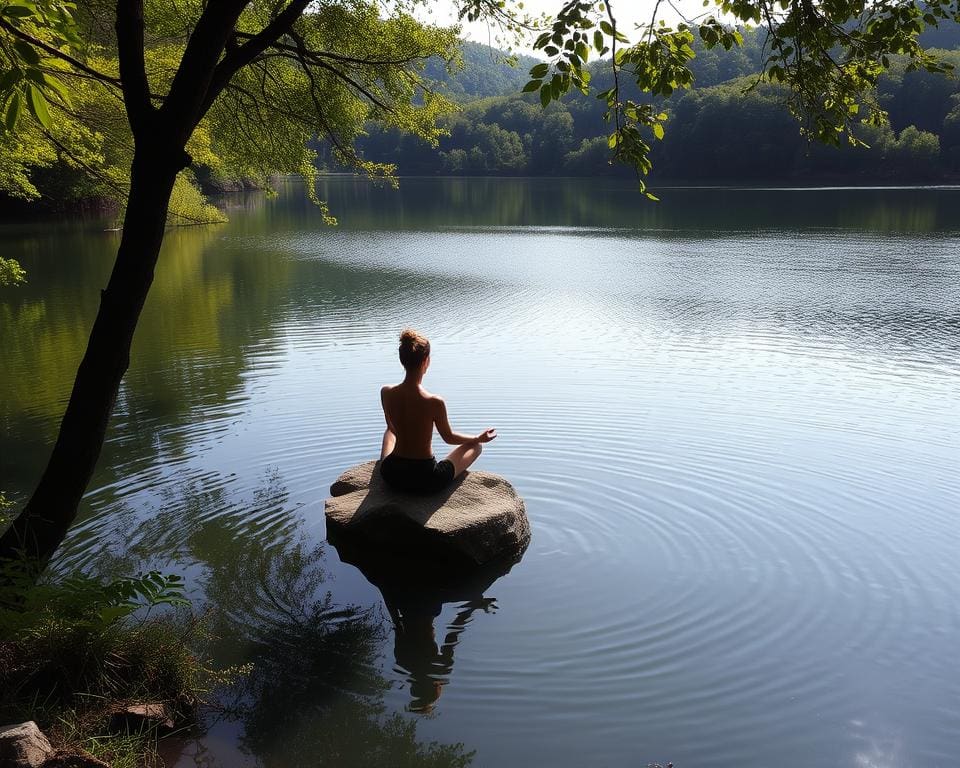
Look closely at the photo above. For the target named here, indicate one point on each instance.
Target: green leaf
(17, 11)
(9, 79)
(13, 112)
(112, 613)
(658, 130)
(538, 71)
(533, 85)
(546, 94)
(27, 52)
(38, 106)
(56, 85)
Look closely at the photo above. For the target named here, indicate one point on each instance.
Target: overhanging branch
(240, 56)
(57, 53)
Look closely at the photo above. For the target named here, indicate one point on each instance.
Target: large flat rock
(478, 519)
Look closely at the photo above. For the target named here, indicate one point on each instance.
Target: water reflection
(314, 689)
(608, 202)
(314, 695)
(414, 593)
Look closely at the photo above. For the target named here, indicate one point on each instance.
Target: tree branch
(314, 54)
(133, 70)
(240, 56)
(57, 53)
(184, 106)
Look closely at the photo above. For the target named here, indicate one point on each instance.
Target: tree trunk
(40, 528)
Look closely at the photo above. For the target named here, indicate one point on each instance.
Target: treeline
(728, 128)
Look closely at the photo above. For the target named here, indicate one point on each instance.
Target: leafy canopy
(337, 68)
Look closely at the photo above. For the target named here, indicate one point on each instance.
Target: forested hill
(723, 130)
(484, 72)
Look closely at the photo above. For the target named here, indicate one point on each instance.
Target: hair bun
(414, 348)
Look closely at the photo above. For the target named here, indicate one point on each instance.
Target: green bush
(75, 650)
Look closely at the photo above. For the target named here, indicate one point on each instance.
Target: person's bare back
(411, 412)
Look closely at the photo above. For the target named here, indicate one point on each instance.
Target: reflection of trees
(457, 202)
(207, 308)
(315, 693)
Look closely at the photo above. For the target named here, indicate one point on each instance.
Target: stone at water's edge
(479, 518)
(23, 746)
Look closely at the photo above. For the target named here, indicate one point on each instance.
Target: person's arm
(383, 402)
(455, 438)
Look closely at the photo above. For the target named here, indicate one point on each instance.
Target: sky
(627, 13)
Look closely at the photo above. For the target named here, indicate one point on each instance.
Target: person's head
(414, 351)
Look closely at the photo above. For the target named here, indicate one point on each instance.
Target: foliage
(26, 80)
(5, 506)
(260, 125)
(81, 601)
(79, 637)
(75, 732)
(74, 649)
(477, 71)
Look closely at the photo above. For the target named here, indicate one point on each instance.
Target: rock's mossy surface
(477, 519)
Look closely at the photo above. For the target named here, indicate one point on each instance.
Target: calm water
(734, 417)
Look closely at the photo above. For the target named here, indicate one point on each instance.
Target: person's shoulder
(435, 400)
(386, 389)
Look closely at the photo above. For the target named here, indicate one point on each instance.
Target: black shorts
(416, 475)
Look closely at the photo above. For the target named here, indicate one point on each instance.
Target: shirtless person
(407, 460)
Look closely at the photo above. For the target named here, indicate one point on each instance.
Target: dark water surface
(734, 417)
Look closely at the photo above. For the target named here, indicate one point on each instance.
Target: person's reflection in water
(414, 591)
(427, 666)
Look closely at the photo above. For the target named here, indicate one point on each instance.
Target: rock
(23, 745)
(478, 519)
(140, 717)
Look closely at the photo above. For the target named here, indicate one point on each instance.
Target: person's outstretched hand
(486, 436)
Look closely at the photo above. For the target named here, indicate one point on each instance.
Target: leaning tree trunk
(42, 525)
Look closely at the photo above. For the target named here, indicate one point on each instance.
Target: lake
(734, 416)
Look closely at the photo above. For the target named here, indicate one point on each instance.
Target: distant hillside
(721, 130)
(485, 72)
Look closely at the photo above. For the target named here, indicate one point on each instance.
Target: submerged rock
(478, 519)
(23, 745)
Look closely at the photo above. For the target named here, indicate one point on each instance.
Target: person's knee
(478, 447)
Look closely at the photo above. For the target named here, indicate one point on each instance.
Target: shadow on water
(414, 593)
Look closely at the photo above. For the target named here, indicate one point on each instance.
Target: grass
(76, 651)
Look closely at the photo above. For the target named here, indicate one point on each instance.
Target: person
(406, 455)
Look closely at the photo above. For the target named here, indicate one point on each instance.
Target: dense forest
(728, 128)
